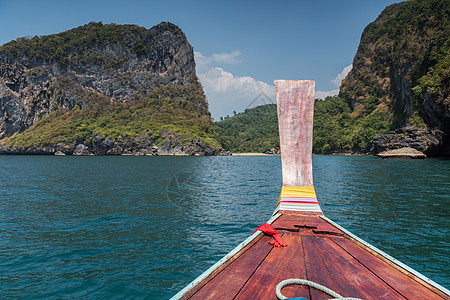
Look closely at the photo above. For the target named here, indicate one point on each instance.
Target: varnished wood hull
(317, 251)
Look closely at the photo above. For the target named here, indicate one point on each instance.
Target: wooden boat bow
(319, 250)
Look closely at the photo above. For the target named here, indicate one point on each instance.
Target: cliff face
(401, 66)
(142, 82)
(39, 75)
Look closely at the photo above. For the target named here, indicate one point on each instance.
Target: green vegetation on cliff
(255, 130)
(434, 66)
(336, 128)
(167, 108)
(402, 65)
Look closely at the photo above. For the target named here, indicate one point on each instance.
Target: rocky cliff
(401, 68)
(426, 140)
(71, 80)
(396, 96)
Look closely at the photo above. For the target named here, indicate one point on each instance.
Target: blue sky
(240, 46)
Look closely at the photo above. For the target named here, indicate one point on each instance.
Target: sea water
(144, 227)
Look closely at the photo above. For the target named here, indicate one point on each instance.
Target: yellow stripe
(297, 192)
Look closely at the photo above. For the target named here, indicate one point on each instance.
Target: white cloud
(323, 95)
(220, 81)
(337, 82)
(226, 92)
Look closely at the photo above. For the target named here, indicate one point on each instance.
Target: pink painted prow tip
(295, 105)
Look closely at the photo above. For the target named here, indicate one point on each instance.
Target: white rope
(320, 287)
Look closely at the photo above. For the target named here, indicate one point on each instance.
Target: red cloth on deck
(267, 229)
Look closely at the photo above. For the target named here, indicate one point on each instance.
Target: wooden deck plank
(316, 269)
(403, 284)
(305, 225)
(351, 277)
(337, 262)
(227, 283)
(280, 264)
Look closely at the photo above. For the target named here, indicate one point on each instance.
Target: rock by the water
(178, 149)
(102, 145)
(200, 148)
(273, 151)
(406, 152)
(141, 145)
(81, 149)
(166, 148)
(427, 141)
(195, 147)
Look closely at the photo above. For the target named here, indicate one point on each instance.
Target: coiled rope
(315, 285)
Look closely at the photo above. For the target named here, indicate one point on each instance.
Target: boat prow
(319, 250)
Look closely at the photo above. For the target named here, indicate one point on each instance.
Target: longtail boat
(322, 260)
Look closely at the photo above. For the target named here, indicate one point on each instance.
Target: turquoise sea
(144, 227)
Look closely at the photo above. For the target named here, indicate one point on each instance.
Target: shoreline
(329, 154)
(252, 154)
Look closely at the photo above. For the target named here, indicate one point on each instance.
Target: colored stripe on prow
(295, 105)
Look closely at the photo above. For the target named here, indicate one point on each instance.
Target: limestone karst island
(104, 89)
